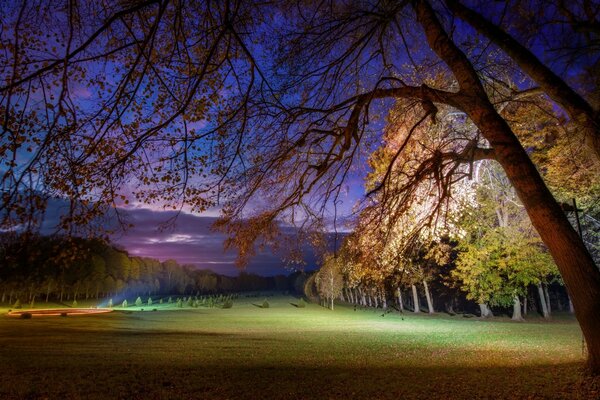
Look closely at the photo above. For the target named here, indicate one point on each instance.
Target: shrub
(138, 302)
(265, 304)
(17, 304)
(179, 303)
(124, 305)
(301, 303)
(75, 304)
(149, 301)
(26, 315)
(228, 304)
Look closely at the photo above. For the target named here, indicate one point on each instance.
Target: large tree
(184, 103)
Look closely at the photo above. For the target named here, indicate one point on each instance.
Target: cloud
(188, 239)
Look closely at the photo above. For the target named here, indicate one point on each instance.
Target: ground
(285, 352)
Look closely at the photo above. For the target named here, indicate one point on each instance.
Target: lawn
(285, 352)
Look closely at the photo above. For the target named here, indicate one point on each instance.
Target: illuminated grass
(287, 352)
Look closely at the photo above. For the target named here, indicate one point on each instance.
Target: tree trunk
(331, 303)
(571, 310)
(400, 302)
(428, 297)
(525, 306)
(577, 268)
(554, 86)
(383, 301)
(547, 296)
(543, 301)
(517, 310)
(486, 312)
(416, 306)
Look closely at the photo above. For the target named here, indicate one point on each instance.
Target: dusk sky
(188, 240)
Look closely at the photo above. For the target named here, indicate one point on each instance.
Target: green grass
(285, 352)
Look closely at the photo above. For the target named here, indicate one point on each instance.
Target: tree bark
(543, 304)
(416, 306)
(578, 270)
(428, 297)
(517, 316)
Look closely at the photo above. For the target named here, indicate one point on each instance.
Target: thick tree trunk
(525, 306)
(400, 302)
(486, 312)
(383, 301)
(577, 268)
(428, 297)
(543, 304)
(517, 310)
(416, 305)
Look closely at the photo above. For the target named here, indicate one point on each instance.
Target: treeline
(428, 283)
(66, 269)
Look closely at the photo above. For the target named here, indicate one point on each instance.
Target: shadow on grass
(227, 380)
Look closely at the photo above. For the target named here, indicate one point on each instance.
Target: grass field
(285, 352)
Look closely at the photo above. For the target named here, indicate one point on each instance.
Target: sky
(189, 239)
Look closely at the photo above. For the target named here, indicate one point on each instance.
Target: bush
(265, 304)
(26, 315)
(179, 303)
(124, 304)
(75, 304)
(301, 303)
(138, 302)
(228, 304)
(149, 301)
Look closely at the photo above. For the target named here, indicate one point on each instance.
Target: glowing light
(55, 312)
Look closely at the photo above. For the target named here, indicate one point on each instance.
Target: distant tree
(329, 279)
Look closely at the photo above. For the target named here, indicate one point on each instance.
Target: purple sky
(188, 239)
